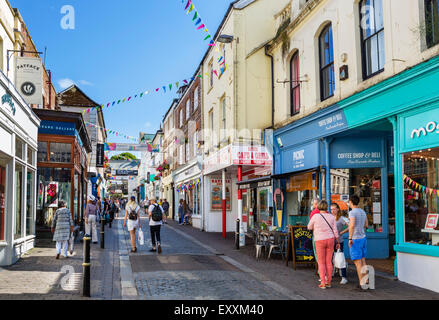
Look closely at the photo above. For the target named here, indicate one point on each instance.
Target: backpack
(157, 215)
(133, 214)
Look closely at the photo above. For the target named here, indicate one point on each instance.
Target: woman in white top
(133, 215)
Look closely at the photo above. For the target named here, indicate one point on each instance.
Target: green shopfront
(410, 103)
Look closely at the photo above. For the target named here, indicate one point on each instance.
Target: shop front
(334, 162)
(18, 145)
(63, 145)
(168, 193)
(189, 187)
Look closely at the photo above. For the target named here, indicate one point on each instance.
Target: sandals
(322, 286)
(134, 250)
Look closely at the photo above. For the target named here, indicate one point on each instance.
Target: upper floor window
(188, 108)
(181, 117)
(372, 37)
(327, 75)
(295, 84)
(196, 98)
(211, 75)
(432, 22)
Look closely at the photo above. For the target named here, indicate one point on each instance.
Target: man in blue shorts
(358, 224)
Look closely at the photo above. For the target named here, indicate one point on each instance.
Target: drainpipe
(272, 84)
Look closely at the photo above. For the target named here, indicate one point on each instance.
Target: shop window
(60, 152)
(366, 183)
(42, 151)
(30, 191)
(421, 196)
(372, 37)
(300, 191)
(264, 207)
(432, 22)
(2, 200)
(31, 156)
(53, 185)
(19, 148)
(327, 75)
(295, 84)
(18, 230)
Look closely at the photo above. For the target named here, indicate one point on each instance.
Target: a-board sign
(300, 247)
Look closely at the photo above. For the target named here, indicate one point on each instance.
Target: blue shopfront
(320, 156)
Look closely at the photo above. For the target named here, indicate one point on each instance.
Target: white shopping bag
(339, 260)
(141, 238)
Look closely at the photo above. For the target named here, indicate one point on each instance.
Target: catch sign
(29, 79)
(300, 246)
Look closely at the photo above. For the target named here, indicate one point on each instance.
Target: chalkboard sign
(300, 247)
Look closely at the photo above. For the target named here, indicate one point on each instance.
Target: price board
(300, 248)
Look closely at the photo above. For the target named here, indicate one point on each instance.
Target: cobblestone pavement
(188, 270)
(304, 281)
(38, 275)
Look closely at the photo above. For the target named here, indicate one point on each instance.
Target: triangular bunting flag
(200, 27)
(188, 4)
(195, 16)
(198, 22)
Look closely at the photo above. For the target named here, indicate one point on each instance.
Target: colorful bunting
(410, 183)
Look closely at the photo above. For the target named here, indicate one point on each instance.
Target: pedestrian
(325, 233)
(187, 213)
(165, 207)
(132, 214)
(113, 210)
(155, 222)
(106, 208)
(315, 204)
(100, 211)
(181, 211)
(91, 211)
(342, 228)
(62, 228)
(358, 223)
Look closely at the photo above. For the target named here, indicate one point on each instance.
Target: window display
(19, 148)
(30, 203)
(18, 231)
(217, 195)
(366, 184)
(421, 196)
(264, 207)
(300, 191)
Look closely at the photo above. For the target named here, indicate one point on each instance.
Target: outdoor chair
(277, 245)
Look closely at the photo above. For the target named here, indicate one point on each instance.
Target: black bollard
(238, 225)
(86, 266)
(102, 233)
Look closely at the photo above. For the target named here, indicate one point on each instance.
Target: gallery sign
(29, 79)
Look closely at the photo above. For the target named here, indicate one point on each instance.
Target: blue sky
(121, 48)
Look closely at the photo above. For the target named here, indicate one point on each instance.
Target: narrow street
(193, 266)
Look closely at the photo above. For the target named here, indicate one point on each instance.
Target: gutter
(272, 84)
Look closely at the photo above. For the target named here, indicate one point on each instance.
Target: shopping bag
(339, 260)
(141, 238)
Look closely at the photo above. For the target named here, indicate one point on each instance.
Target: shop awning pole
(241, 225)
(224, 204)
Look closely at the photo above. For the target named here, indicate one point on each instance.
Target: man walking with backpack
(156, 216)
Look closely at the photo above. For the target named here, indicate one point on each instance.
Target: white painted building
(18, 147)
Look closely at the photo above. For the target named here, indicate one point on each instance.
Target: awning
(289, 174)
(255, 183)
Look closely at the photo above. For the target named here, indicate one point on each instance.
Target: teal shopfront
(409, 102)
(320, 156)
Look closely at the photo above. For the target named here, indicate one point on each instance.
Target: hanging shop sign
(29, 79)
(349, 153)
(100, 155)
(127, 173)
(146, 147)
(216, 193)
(302, 182)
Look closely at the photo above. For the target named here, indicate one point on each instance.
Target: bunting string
(113, 132)
(420, 188)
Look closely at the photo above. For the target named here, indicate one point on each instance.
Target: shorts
(132, 224)
(359, 249)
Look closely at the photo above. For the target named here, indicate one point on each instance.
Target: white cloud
(65, 83)
(148, 124)
(85, 83)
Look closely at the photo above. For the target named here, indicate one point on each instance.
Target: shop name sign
(333, 122)
(356, 153)
(6, 98)
(431, 127)
(251, 155)
(29, 79)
